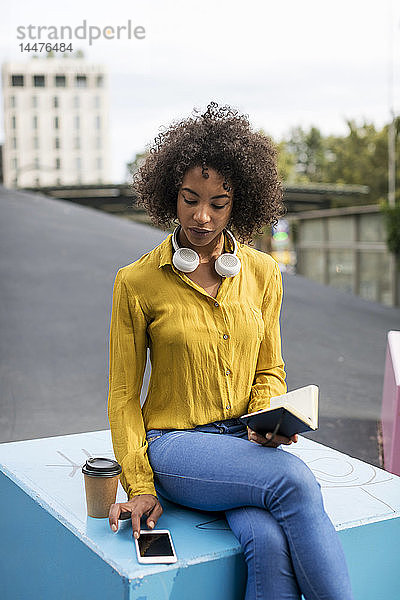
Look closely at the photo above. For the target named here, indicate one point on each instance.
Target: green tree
(359, 157)
(133, 166)
(286, 163)
(309, 150)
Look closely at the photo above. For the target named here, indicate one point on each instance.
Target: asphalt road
(58, 261)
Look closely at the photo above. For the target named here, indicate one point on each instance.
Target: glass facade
(375, 277)
(313, 264)
(341, 269)
(311, 231)
(341, 229)
(371, 228)
(349, 252)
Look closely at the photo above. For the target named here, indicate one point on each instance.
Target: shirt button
(227, 372)
(226, 336)
(216, 304)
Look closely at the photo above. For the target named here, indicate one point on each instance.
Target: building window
(58, 163)
(36, 143)
(341, 229)
(17, 80)
(99, 163)
(56, 103)
(13, 102)
(14, 163)
(56, 123)
(35, 122)
(35, 102)
(36, 163)
(98, 143)
(371, 227)
(77, 122)
(312, 262)
(78, 163)
(97, 101)
(57, 143)
(375, 275)
(80, 81)
(76, 102)
(13, 122)
(58, 181)
(37, 182)
(77, 143)
(60, 80)
(98, 122)
(99, 81)
(311, 230)
(38, 80)
(14, 143)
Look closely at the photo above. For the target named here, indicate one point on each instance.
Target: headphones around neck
(187, 260)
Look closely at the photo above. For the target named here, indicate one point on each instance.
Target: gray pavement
(57, 266)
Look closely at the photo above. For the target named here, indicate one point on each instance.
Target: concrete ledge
(50, 548)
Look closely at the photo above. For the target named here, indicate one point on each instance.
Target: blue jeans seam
(256, 582)
(208, 480)
(293, 548)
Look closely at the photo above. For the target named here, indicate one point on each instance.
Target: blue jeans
(272, 502)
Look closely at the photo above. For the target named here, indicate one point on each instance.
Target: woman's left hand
(266, 440)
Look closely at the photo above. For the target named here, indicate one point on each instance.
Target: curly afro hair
(222, 139)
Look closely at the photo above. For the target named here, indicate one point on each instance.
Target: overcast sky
(285, 63)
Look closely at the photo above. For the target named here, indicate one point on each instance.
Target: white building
(55, 123)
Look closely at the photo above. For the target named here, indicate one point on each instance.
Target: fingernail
(267, 436)
(136, 535)
(114, 527)
(151, 524)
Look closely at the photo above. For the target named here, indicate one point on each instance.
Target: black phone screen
(155, 544)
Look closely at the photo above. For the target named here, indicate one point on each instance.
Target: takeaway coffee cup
(101, 482)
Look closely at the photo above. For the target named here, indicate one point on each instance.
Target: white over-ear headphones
(187, 260)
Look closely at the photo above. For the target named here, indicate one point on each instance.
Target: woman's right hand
(266, 440)
(134, 509)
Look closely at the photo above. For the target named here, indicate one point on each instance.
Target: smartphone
(155, 547)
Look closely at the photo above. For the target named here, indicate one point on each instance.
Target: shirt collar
(166, 250)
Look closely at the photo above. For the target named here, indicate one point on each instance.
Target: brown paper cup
(100, 494)
(101, 482)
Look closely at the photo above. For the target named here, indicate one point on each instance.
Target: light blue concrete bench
(50, 549)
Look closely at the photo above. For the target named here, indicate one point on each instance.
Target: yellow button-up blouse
(211, 358)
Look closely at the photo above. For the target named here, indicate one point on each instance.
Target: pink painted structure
(391, 405)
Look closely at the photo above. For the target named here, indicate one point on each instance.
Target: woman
(208, 308)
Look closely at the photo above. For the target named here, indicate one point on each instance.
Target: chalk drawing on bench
(343, 472)
(76, 467)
